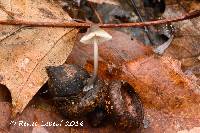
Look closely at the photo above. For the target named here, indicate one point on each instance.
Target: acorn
(86, 102)
(66, 80)
(124, 105)
(66, 84)
(97, 118)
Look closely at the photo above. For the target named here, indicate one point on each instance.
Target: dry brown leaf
(5, 114)
(26, 51)
(39, 129)
(159, 122)
(185, 46)
(163, 86)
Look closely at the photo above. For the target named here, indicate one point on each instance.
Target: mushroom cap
(97, 34)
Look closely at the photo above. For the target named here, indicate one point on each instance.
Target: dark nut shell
(86, 102)
(66, 80)
(97, 117)
(124, 105)
(66, 83)
(120, 101)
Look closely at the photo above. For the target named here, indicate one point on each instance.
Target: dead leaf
(5, 116)
(162, 85)
(193, 130)
(159, 122)
(39, 129)
(26, 51)
(185, 46)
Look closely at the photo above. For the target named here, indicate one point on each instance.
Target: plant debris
(119, 100)
(139, 88)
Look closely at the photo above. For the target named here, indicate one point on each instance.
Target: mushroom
(95, 36)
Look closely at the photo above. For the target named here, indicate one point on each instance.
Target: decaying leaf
(193, 130)
(162, 84)
(26, 51)
(159, 122)
(39, 129)
(185, 46)
(4, 115)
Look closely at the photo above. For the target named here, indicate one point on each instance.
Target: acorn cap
(97, 34)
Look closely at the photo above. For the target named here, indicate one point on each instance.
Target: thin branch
(76, 24)
(96, 13)
(146, 28)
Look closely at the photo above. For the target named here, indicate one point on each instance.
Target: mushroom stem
(95, 36)
(92, 80)
(96, 59)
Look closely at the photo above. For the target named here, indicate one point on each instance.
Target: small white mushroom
(95, 36)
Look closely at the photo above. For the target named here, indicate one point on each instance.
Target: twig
(87, 25)
(96, 13)
(146, 29)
